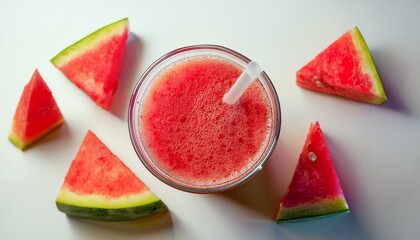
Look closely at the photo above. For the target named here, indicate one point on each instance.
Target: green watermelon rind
(23, 144)
(113, 214)
(311, 218)
(89, 42)
(368, 66)
(99, 207)
(309, 211)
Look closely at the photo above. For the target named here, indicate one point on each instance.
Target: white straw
(250, 73)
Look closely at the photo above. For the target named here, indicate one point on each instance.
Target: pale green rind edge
(114, 214)
(100, 207)
(305, 212)
(19, 143)
(89, 42)
(66, 196)
(368, 66)
(13, 138)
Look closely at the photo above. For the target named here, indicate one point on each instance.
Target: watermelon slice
(99, 186)
(37, 113)
(315, 190)
(345, 68)
(93, 63)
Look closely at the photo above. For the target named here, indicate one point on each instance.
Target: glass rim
(148, 161)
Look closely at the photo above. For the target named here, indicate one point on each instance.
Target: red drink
(192, 134)
(195, 138)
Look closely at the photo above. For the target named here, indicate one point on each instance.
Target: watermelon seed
(312, 156)
(319, 83)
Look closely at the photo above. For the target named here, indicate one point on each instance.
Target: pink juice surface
(192, 134)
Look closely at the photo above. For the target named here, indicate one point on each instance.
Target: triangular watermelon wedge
(37, 113)
(315, 190)
(346, 69)
(94, 63)
(99, 186)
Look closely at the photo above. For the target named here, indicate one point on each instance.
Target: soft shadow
(263, 191)
(128, 76)
(280, 171)
(253, 195)
(338, 227)
(387, 65)
(345, 171)
(148, 225)
(61, 132)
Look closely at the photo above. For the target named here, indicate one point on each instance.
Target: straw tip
(228, 100)
(253, 69)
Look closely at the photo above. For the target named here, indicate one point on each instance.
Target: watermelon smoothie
(187, 136)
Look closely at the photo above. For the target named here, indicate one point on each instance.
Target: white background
(376, 149)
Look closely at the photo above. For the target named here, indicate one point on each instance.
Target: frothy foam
(194, 136)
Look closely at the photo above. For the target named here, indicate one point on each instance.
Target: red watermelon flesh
(94, 63)
(98, 185)
(345, 68)
(37, 113)
(315, 189)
